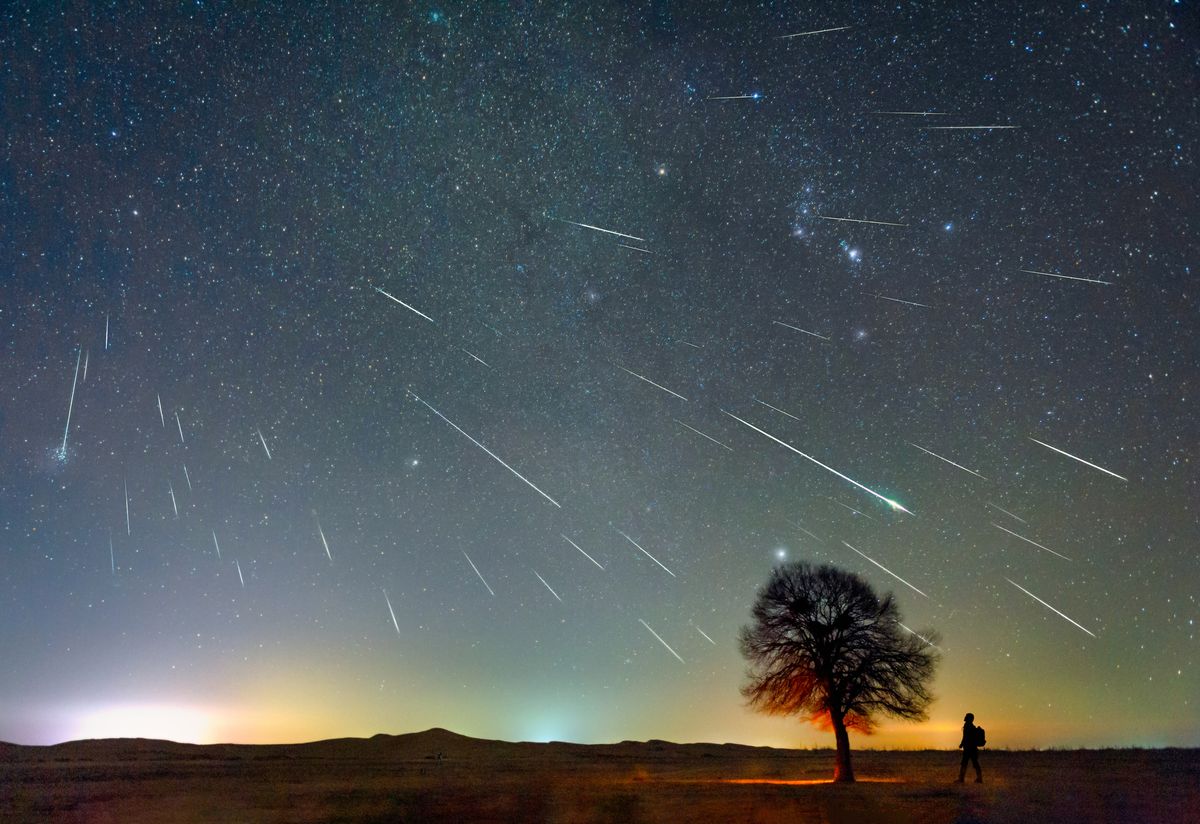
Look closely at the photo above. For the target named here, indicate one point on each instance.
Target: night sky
(442, 365)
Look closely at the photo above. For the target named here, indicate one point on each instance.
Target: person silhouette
(970, 747)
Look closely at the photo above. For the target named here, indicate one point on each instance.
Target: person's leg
(962, 768)
(978, 772)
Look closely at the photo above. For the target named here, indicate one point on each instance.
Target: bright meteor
(1047, 606)
(1081, 460)
(893, 504)
(888, 571)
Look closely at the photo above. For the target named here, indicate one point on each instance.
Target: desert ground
(440, 776)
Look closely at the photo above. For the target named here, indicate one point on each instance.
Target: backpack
(980, 738)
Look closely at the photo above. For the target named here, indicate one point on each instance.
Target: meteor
(919, 635)
(476, 357)
(705, 634)
(477, 572)
(661, 641)
(947, 460)
(490, 452)
(814, 31)
(802, 529)
(852, 509)
(405, 305)
(187, 477)
(391, 611)
(112, 557)
(86, 357)
(754, 96)
(898, 300)
(321, 532)
(239, 569)
(1006, 512)
(71, 406)
(127, 529)
(922, 114)
(1047, 606)
(161, 417)
(635, 248)
(215, 544)
(543, 580)
(968, 127)
(798, 329)
(599, 229)
(174, 505)
(1081, 460)
(1035, 543)
(689, 343)
(776, 408)
(647, 554)
(180, 425)
(1065, 277)
(856, 220)
(888, 571)
(893, 504)
(263, 440)
(701, 434)
(106, 319)
(577, 546)
(652, 383)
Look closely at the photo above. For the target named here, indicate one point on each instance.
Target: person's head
(968, 718)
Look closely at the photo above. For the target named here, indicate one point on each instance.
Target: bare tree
(824, 646)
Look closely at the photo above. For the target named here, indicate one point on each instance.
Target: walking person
(972, 739)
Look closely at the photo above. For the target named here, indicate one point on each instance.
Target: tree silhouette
(824, 646)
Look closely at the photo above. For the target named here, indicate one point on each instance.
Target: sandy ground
(439, 776)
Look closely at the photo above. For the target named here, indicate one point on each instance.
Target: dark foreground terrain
(440, 776)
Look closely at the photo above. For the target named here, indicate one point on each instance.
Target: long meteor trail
(814, 31)
(266, 448)
(128, 531)
(1065, 277)
(405, 305)
(702, 435)
(798, 329)
(661, 641)
(947, 460)
(888, 571)
(1026, 540)
(893, 504)
(216, 545)
(1047, 606)
(180, 425)
(856, 220)
(652, 383)
(1006, 512)
(898, 300)
(1081, 460)
(162, 418)
(600, 229)
(577, 546)
(391, 611)
(496, 457)
(543, 580)
(477, 572)
(71, 406)
(647, 554)
(321, 532)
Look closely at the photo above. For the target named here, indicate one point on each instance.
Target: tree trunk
(842, 770)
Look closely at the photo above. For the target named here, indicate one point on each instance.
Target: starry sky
(367, 368)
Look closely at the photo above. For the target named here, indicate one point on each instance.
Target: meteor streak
(187, 477)
(652, 383)
(635, 248)
(263, 440)
(734, 97)
(112, 557)
(647, 554)
(239, 569)
(1006, 512)
(1081, 460)
(161, 417)
(543, 580)
(1065, 277)
(577, 546)
(1035, 543)
(898, 300)
(127, 529)
(71, 406)
(215, 544)
(798, 329)
(919, 635)
(476, 357)
(180, 425)
(852, 509)
(968, 127)
(86, 357)
(106, 319)
(705, 634)
(888, 571)
(477, 572)
(947, 460)
(1047, 606)
(391, 611)
(490, 452)
(405, 305)
(776, 408)
(661, 641)
(802, 529)
(701, 434)
(174, 505)
(856, 220)
(922, 114)
(599, 229)
(321, 532)
(814, 31)
(886, 500)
